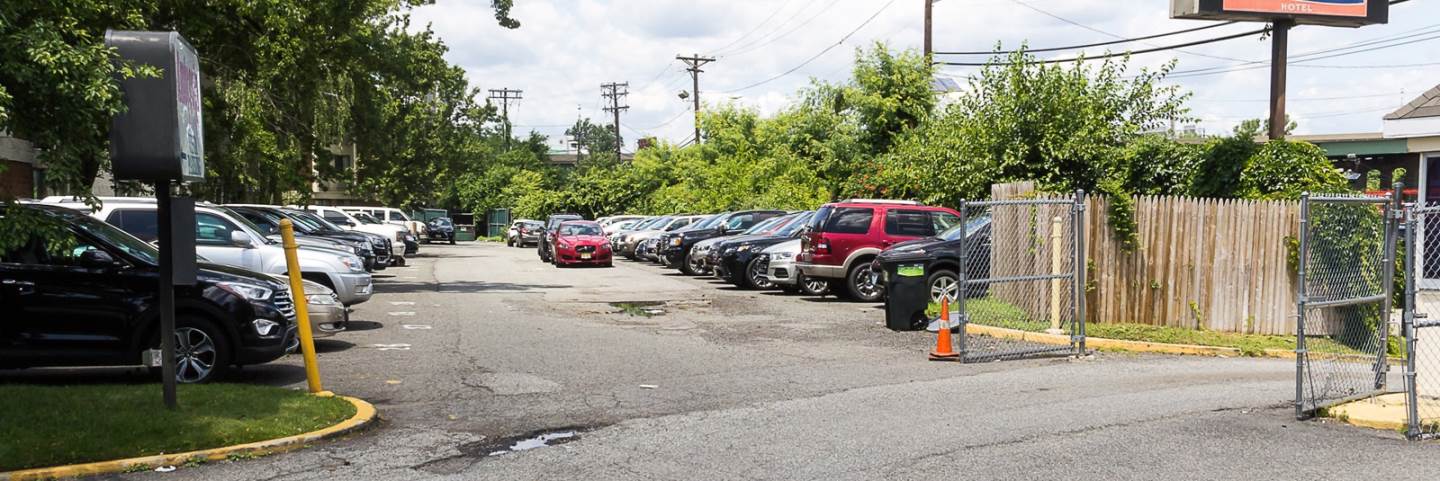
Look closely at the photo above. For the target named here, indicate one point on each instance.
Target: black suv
(543, 246)
(675, 246)
(440, 228)
(737, 259)
(88, 298)
(941, 255)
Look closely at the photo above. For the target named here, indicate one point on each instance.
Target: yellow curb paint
(1386, 411)
(364, 414)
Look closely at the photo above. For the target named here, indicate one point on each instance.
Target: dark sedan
(941, 254)
(737, 259)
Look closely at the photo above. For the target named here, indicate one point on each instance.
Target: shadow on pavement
(355, 325)
(323, 346)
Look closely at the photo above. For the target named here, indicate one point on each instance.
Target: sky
(565, 49)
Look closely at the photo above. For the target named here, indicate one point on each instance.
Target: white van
(389, 216)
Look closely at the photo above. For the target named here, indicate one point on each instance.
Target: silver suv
(223, 237)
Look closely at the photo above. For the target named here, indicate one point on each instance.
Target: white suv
(406, 241)
(222, 237)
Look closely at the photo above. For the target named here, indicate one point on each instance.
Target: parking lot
(473, 347)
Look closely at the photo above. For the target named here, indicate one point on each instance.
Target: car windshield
(622, 225)
(790, 229)
(441, 221)
(569, 229)
(765, 225)
(118, 238)
(970, 228)
(709, 222)
(302, 222)
(644, 224)
(661, 222)
(320, 222)
(363, 217)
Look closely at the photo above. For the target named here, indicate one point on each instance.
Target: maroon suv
(845, 236)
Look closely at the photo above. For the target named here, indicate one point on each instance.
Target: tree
(595, 141)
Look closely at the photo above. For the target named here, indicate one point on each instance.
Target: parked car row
(836, 249)
(85, 294)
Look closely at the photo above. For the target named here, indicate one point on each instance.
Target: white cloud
(565, 49)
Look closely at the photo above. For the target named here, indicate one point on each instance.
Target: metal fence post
(1300, 306)
(1387, 275)
(1077, 216)
(1407, 328)
(962, 317)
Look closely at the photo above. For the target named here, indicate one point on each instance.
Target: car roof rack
(881, 201)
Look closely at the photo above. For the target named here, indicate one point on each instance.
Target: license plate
(585, 255)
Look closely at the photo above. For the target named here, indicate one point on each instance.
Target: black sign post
(159, 139)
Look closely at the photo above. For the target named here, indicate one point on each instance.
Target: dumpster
(464, 233)
(906, 293)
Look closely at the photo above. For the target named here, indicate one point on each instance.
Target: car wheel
(509, 242)
(691, 266)
(755, 275)
(944, 284)
(862, 284)
(452, 240)
(202, 352)
(811, 286)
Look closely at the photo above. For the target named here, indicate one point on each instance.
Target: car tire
(452, 240)
(861, 288)
(812, 287)
(753, 277)
(509, 242)
(943, 281)
(690, 267)
(202, 351)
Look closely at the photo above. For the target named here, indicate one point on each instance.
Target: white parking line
(391, 347)
(402, 313)
(418, 327)
(402, 303)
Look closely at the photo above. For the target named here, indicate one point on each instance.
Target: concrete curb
(364, 414)
(1121, 345)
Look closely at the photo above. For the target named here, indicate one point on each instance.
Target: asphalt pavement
(636, 372)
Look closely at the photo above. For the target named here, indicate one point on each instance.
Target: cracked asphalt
(474, 346)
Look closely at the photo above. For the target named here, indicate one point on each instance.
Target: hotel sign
(1338, 13)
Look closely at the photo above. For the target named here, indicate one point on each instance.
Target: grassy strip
(996, 313)
(56, 425)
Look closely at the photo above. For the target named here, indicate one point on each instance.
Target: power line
(1307, 99)
(757, 26)
(1108, 34)
(1302, 56)
(668, 122)
(505, 95)
(1319, 55)
(616, 92)
(1124, 54)
(694, 62)
(753, 47)
(1092, 45)
(822, 52)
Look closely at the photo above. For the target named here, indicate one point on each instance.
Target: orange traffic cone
(943, 351)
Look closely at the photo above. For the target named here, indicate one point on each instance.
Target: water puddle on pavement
(540, 441)
(639, 308)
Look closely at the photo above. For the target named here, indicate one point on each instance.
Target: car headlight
(249, 292)
(320, 299)
(353, 263)
(369, 246)
(563, 244)
(676, 241)
(744, 248)
(783, 255)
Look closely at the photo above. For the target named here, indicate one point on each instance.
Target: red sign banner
(1331, 8)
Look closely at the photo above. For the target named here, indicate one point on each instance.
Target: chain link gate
(1422, 299)
(1345, 280)
(1027, 274)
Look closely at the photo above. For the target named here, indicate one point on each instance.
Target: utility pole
(929, 7)
(615, 92)
(1279, 53)
(695, 61)
(505, 95)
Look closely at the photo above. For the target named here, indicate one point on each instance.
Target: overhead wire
(1123, 54)
(756, 28)
(1092, 45)
(817, 55)
(777, 38)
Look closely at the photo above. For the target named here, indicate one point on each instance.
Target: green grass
(993, 312)
(55, 425)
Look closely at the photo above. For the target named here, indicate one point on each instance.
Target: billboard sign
(1333, 8)
(1337, 13)
(190, 129)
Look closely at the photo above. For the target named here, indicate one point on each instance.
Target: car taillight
(822, 245)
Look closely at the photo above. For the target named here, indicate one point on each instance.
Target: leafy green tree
(596, 142)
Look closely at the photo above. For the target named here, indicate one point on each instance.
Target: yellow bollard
(302, 309)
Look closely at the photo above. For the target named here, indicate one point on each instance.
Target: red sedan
(581, 242)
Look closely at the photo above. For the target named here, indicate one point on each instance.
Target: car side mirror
(240, 239)
(96, 259)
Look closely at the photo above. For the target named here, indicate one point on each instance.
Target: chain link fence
(1024, 281)
(1345, 267)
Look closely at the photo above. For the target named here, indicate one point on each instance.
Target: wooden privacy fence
(1215, 264)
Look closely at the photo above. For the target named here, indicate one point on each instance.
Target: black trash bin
(906, 294)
